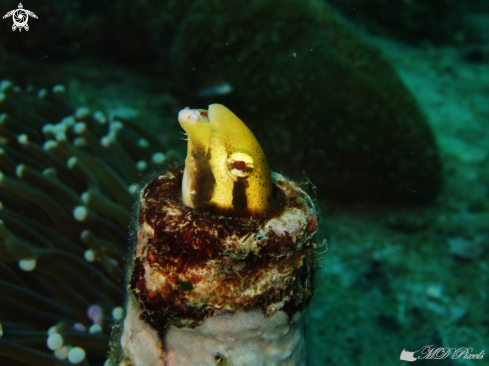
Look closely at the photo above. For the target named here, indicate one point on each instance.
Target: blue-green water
(380, 110)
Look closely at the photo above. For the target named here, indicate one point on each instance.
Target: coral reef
(68, 183)
(320, 98)
(412, 279)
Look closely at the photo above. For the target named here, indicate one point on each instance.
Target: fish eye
(240, 165)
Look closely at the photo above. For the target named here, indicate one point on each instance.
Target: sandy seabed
(402, 279)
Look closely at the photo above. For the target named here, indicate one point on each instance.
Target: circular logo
(20, 17)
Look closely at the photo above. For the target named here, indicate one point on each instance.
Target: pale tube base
(239, 339)
(141, 345)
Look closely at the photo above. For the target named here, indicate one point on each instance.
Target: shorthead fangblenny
(223, 266)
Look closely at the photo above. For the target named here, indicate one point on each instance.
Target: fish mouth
(188, 115)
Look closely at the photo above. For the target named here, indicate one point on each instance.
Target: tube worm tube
(223, 268)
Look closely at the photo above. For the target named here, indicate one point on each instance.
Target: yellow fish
(226, 170)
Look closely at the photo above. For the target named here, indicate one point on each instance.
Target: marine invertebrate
(67, 185)
(226, 280)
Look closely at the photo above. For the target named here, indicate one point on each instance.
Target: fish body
(225, 169)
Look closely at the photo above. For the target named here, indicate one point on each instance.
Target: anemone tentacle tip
(27, 265)
(94, 329)
(62, 353)
(76, 355)
(55, 341)
(117, 313)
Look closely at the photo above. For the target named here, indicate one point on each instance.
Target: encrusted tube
(205, 287)
(219, 287)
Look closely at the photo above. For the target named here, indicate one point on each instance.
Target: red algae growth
(189, 265)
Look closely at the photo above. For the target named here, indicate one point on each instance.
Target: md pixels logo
(440, 353)
(20, 17)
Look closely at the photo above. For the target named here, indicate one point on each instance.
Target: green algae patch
(186, 286)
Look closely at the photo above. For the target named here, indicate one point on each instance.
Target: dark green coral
(320, 99)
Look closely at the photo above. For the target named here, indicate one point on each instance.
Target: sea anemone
(68, 183)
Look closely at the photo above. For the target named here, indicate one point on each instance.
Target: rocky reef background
(405, 227)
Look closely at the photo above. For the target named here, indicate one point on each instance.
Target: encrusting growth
(68, 181)
(217, 275)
